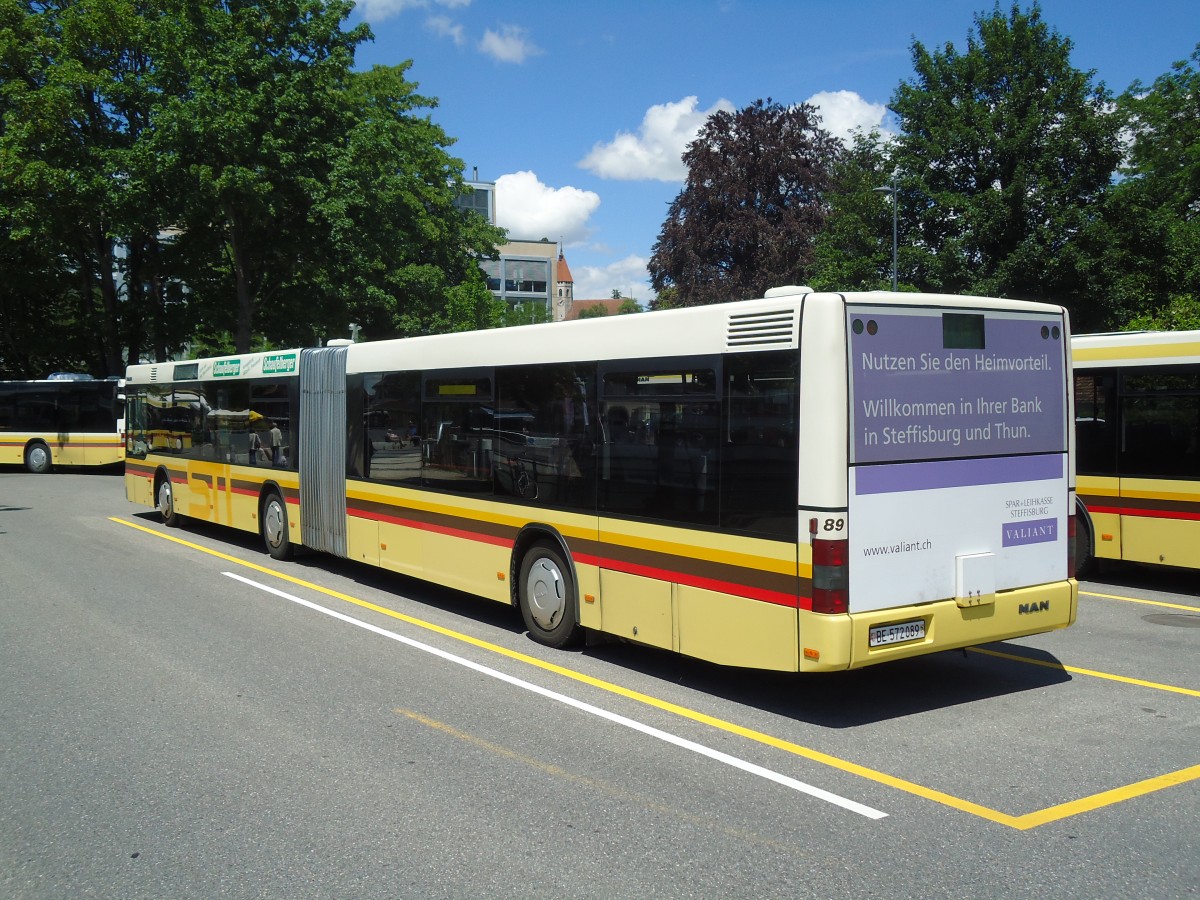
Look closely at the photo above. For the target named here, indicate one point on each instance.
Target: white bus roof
(1135, 348)
(763, 324)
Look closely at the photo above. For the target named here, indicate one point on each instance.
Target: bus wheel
(547, 596)
(37, 458)
(166, 504)
(275, 527)
(1085, 558)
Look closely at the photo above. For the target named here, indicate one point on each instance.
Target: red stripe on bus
(1145, 513)
(723, 587)
(696, 581)
(712, 584)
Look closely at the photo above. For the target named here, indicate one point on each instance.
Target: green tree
(525, 314)
(404, 258)
(854, 249)
(665, 298)
(628, 305)
(1150, 237)
(1006, 153)
(215, 172)
(753, 201)
(81, 216)
(595, 311)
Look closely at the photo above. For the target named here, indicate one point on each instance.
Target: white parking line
(648, 730)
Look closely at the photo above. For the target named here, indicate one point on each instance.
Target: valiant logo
(1026, 608)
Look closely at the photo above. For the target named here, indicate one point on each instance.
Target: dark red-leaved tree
(753, 201)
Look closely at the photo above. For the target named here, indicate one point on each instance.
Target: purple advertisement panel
(939, 384)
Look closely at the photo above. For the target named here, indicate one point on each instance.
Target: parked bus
(65, 420)
(804, 482)
(1137, 423)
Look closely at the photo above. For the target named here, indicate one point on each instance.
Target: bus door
(658, 475)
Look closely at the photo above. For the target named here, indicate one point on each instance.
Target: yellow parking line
(1107, 798)
(1023, 822)
(1107, 676)
(1191, 609)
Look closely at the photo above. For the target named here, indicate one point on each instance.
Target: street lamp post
(892, 190)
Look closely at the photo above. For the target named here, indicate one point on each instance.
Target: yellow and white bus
(65, 420)
(1138, 437)
(803, 482)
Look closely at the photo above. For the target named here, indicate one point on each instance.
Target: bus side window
(759, 465)
(661, 428)
(1095, 423)
(459, 434)
(543, 449)
(392, 439)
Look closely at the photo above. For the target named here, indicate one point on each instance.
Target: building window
(478, 200)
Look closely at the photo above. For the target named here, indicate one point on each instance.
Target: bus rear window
(962, 331)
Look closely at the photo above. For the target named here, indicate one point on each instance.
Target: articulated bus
(1138, 435)
(65, 420)
(802, 482)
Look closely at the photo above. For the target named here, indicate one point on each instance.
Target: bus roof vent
(154, 373)
(764, 329)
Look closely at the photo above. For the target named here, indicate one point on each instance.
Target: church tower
(566, 289)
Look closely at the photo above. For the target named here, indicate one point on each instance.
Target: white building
(530, 272)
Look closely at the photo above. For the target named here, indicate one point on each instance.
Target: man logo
(1041, 606)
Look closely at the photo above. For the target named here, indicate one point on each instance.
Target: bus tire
(164, 496)
(546, 593)
(38, 459)
(273, 524)
(1085, 553)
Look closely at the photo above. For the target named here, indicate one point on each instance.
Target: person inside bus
(256, 447)
(276, 445)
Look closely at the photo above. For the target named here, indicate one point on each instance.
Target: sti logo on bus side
(1026, 608)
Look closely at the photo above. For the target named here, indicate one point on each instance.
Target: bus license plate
(881, 635)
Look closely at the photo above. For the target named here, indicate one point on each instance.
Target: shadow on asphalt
(1132, 576)
(833, 700)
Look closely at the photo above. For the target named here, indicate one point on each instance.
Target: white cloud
(378, 10)
(656, 150)
(444, 26)
(842, 112)
(510, 44)
(628, 275)
(531, 210)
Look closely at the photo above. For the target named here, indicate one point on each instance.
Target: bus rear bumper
(834, 643)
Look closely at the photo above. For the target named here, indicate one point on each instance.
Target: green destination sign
(279, 363)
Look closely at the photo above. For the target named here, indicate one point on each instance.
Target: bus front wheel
(275, 527)
(38, 459)
(166, 504)
(547, 596)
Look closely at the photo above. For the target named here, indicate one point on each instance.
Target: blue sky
(579, 111)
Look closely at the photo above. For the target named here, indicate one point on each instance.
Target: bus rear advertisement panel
(960, 479)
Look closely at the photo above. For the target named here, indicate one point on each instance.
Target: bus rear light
(830, 576)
